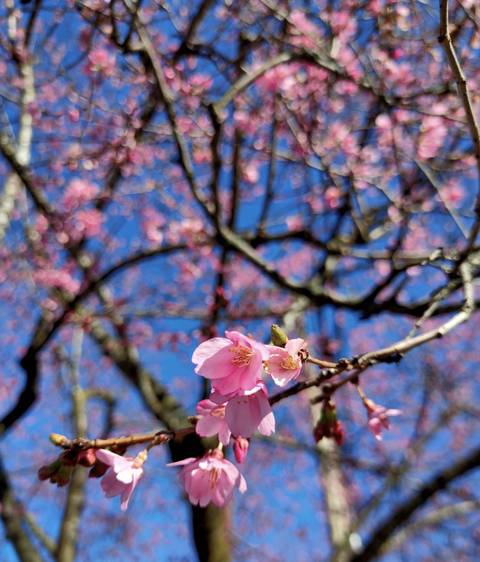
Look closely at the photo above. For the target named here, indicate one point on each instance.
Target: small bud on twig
(58, 440)
(279, 337)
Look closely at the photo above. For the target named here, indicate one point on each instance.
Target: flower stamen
(242, 355)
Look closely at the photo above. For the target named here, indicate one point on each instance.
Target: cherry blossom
(284, 363)
(378, 417)
(78, 193)
(58, 278)
(212, 420)
(233, 363)
(211, 478)
(249, 411)
(124, 475)
(101, 61)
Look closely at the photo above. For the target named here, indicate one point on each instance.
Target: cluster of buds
(328, 425)
(121, 474)
(60, 470)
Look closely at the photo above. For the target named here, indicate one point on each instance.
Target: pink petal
(223, 491)
(295, 346)
(242, 485)
(183, 462)
(208, 348)
(239, 338)
(118, 462)
(251, 373)
(242, 416)
(106, 457)
(208, 426)
(217, 366)
(125, 476)
(204, 407)
(127, 493)
(201, 489)
(110, 485)
(267, 425)
(224, 434)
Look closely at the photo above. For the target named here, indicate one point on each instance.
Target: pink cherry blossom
(284, 363)
(124, 475)
(378, 417)
(304, 32)
(58, 278)
(152, 223)
(248, 411)
(233, 363)
(78, 193)
(212, 421)
(100, 60)
(88, 222)
(210, 478)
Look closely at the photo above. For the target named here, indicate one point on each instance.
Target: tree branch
(400, 515)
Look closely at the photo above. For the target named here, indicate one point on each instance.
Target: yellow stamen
(214, 476)
(289, 363)
(218, 412)
(241, 355)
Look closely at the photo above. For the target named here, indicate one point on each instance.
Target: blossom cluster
(237, 407)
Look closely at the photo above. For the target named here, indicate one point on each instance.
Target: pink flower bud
(87, 457)
(240, 449)
(328, 425)
(339, 433)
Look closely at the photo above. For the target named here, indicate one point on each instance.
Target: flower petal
(208, 348)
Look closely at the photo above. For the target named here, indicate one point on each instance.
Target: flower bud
(240, 449)
(62, 476)
(328, 425)
(68, 458)
(87, 457)
(279, 337)
(47, 471)
(339, 433)
(57, 439)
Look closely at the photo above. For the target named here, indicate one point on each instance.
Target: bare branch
(400, 515)
(14, 521)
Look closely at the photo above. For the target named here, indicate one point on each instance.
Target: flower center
(214, 475)
(241, 355)
(218, 412)
(289, 363)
